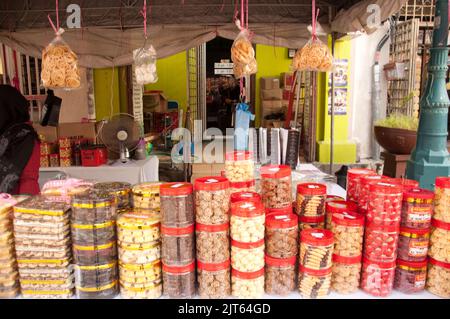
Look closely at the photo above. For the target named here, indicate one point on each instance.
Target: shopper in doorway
(19, 145)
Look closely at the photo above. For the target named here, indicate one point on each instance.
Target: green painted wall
(103, 78)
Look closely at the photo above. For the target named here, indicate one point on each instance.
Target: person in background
(19, 145)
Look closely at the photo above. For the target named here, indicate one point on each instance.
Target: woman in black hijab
(19, 145)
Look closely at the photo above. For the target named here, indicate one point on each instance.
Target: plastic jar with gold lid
(146, 196)
(138, 227)
(119, 190)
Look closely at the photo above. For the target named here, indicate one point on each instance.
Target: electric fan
(121, 135)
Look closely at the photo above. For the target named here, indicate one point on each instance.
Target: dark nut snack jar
(119, 190)
(213, 243)
(178, 245)
(281, 235)
(177, 205)
(212, 200)
(280, 275)
(413, 244)
(179, 281)
(311, 199)
(417, 208)
(96, 281)
(214, 280)
(276, 185)
(99, 254)
(410, 276)
(93, 234)
(93, 208)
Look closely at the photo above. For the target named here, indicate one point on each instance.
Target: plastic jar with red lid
(442, 199)
(405, 183)
(331, 198)
(246, 186)
(178, 245)
(214, 280)
(280, 275)
(282, 235)
(179, 281)
(346, 274)
(417, 208)
(213, 243)
(247, 285)
(311, 223)
(332, 207)
(316, 248)
(353, 179)
(381, 243)
(239, 166)
(438, 278)
(440, 241)
(413, 244)
(348, 230)
(276, 186)
(385, 204)
(245, 197)
(410, 276)
(247, 257)
(314, 283)
(247, 221)
(212, 200)
(177, 204)
(377, 278)
(311, 199)
(288, 210)
(364, 183)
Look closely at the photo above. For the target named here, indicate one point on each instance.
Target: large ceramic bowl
(395, 140)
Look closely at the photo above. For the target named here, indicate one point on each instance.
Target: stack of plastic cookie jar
(240, 167)
(417, 209)
(354, 176)
(146, 198)
(338, 206)
(119, 190)
(315, 263)
(310, 205)
(9, 277)
(93, 227)
(276, 186)
(381, 237)
(139, 244)
(43, 249)
(438, 278)
(363, 190)
(178, 240)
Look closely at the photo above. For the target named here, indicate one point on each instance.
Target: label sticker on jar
(419, 215)
(212, 181)
(313, 186)
(418, 249)
(274, 169)
(419, 281)
(317, 235)
(281, 217)
(176, 185)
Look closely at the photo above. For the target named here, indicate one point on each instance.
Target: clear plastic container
(93, 234)
(247, 285)
(280, 275)
(314, 283)
(138, 228)
(247, 221)
(178, 245)
(348, 230)
(442, 199)
(385, 204)
(377, 278)
(213, 243)
(96, 281)
(247, 257)
(311, 199)
(212, 200)
(338, 206)
(438, 278)
(406, 184)
(146, 196)
(331, 198)
(276, 186)
(42, 208)
(177, 204)
(417, 208)
(152, 290)
(247, 186)
(380, 243)
(139, 253)
(93, 208)
(316, 249)
(310, 223)
(140, 274)
(119, 190)
(99, 254)
(410, 277)
(239, 166)
(245, 196)
(363, 193)
(346, 274)
(413, 244)
(47, 294)
(282, 235)
(214, 280)
(353, 180)
(439, 241)
(179, 282)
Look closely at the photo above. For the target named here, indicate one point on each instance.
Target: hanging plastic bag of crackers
(60, 65)
(243, 54)
(145, 65)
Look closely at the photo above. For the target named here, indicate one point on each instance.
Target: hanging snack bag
(243, 54)
(314, 56)
(60, 65)
(145, 65)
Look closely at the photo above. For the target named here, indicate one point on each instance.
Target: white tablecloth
(133, 172)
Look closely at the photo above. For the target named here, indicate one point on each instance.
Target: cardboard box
(270, 83)
(287, 80)
(49, 133)
(272, 124)
(87, 130)
(155, 101)
(273, 94)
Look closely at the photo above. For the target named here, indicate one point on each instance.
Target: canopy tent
(112, 29)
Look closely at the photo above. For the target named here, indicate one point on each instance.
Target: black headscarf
(17, 137)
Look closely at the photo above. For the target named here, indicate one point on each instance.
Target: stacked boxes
(271, 100)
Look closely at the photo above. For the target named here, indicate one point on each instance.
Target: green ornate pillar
(430, 157)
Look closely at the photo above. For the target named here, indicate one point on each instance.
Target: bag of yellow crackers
(243, 54)
(60, 65)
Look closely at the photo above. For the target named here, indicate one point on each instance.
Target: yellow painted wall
(103, 78)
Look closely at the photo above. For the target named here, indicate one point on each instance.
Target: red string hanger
(144, 15)
(57, 27)
(315, 16)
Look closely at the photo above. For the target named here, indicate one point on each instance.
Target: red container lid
(340, 206)
(311, 189)
(317, 237)
(385, 188)
(442, 182)
(354, 172)
(281, 221)
(348, 219)
(315, 272)
(245, 184)
(439, 263)
(247, 209)
(54, 155)
(178, 269)
(175, 231)
(241, 245)
(279, 211)
(245, 196)
(331, 198)
(175, 189)
(278, 262)
(275, 171)
(414, 231)
(211, 183)
(239, 156)
(412, 264)
(212, 228)
(380, 264)
(405, 183)
(417, 193)
(382, 228)
(312, 220)
(372, 178)
(440, 224)
(347, 260)
(213, 267)
(247, 275)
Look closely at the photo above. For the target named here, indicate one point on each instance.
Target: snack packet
(145, 65)
(243, 54)
(314, 56)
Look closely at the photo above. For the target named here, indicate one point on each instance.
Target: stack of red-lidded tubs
(338, 206)
(353, 181)
(363, 194)
(381, 237)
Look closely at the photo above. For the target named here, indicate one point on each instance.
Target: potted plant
(397, 133)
